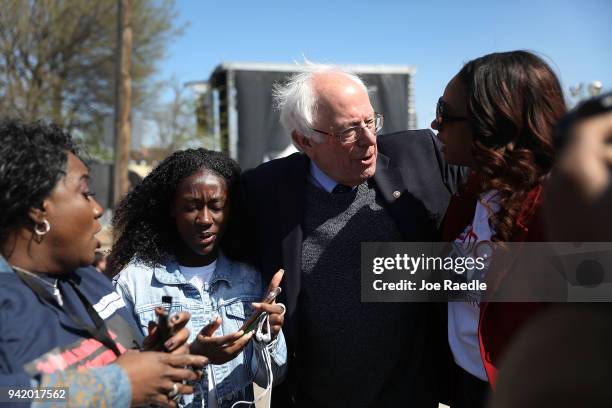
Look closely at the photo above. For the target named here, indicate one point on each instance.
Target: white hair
(297, 100)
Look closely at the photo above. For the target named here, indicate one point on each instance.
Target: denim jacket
(232, 288)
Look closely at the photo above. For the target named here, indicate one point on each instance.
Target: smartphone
(163, 325)
(269, 298)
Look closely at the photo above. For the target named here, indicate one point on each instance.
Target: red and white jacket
(499, 321)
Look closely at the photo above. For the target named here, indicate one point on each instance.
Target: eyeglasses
(442, 116)
(352, 134)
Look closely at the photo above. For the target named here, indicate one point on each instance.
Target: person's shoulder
(94, 281)
(13, 288)
(17, 300)
(277, 166)
(413, 142)
(417, 134)
(91, 274)
(247, 269)
(135, 271)
(99, 289)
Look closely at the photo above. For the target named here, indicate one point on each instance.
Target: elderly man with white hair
(308, 213)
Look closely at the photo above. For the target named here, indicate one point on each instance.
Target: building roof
(284, 67)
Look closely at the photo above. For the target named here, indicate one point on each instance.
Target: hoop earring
(47, 228)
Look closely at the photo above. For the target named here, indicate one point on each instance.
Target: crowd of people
(199, 248)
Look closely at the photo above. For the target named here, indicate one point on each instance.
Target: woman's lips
(96, 240)
(206, 239)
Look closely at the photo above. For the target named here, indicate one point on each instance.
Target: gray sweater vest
(350, 350)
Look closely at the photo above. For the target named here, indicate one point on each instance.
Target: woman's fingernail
(169, 344)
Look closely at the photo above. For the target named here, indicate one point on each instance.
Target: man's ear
(302, 142)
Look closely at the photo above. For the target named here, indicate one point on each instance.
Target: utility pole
(123, 94)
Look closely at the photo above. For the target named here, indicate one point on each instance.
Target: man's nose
(367, 137)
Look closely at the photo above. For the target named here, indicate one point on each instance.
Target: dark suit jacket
(408, 162)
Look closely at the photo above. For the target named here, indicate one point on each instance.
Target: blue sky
(436, 37)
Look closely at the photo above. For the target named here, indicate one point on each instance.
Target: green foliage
(177, 123)
(57, 59)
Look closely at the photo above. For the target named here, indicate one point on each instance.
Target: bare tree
(57, 57)
(123, 105)
(175, 120)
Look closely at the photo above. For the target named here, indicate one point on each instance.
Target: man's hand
(220, 349)
(154, 375)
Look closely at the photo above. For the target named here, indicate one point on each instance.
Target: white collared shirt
(463, 316)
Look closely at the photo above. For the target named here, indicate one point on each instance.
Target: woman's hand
(276, 312)
(220, 349)
(276, 316)
(155, 375)
(179, 334)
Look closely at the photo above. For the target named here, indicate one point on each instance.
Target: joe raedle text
(447, 285)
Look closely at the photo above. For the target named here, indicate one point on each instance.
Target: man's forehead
(331, 83)
(342, 99)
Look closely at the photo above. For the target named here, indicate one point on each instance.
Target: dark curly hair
(33, 158)
(514, 100)
(142, 224)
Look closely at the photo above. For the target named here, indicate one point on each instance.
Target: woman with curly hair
(174, 240)
(497, 117)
